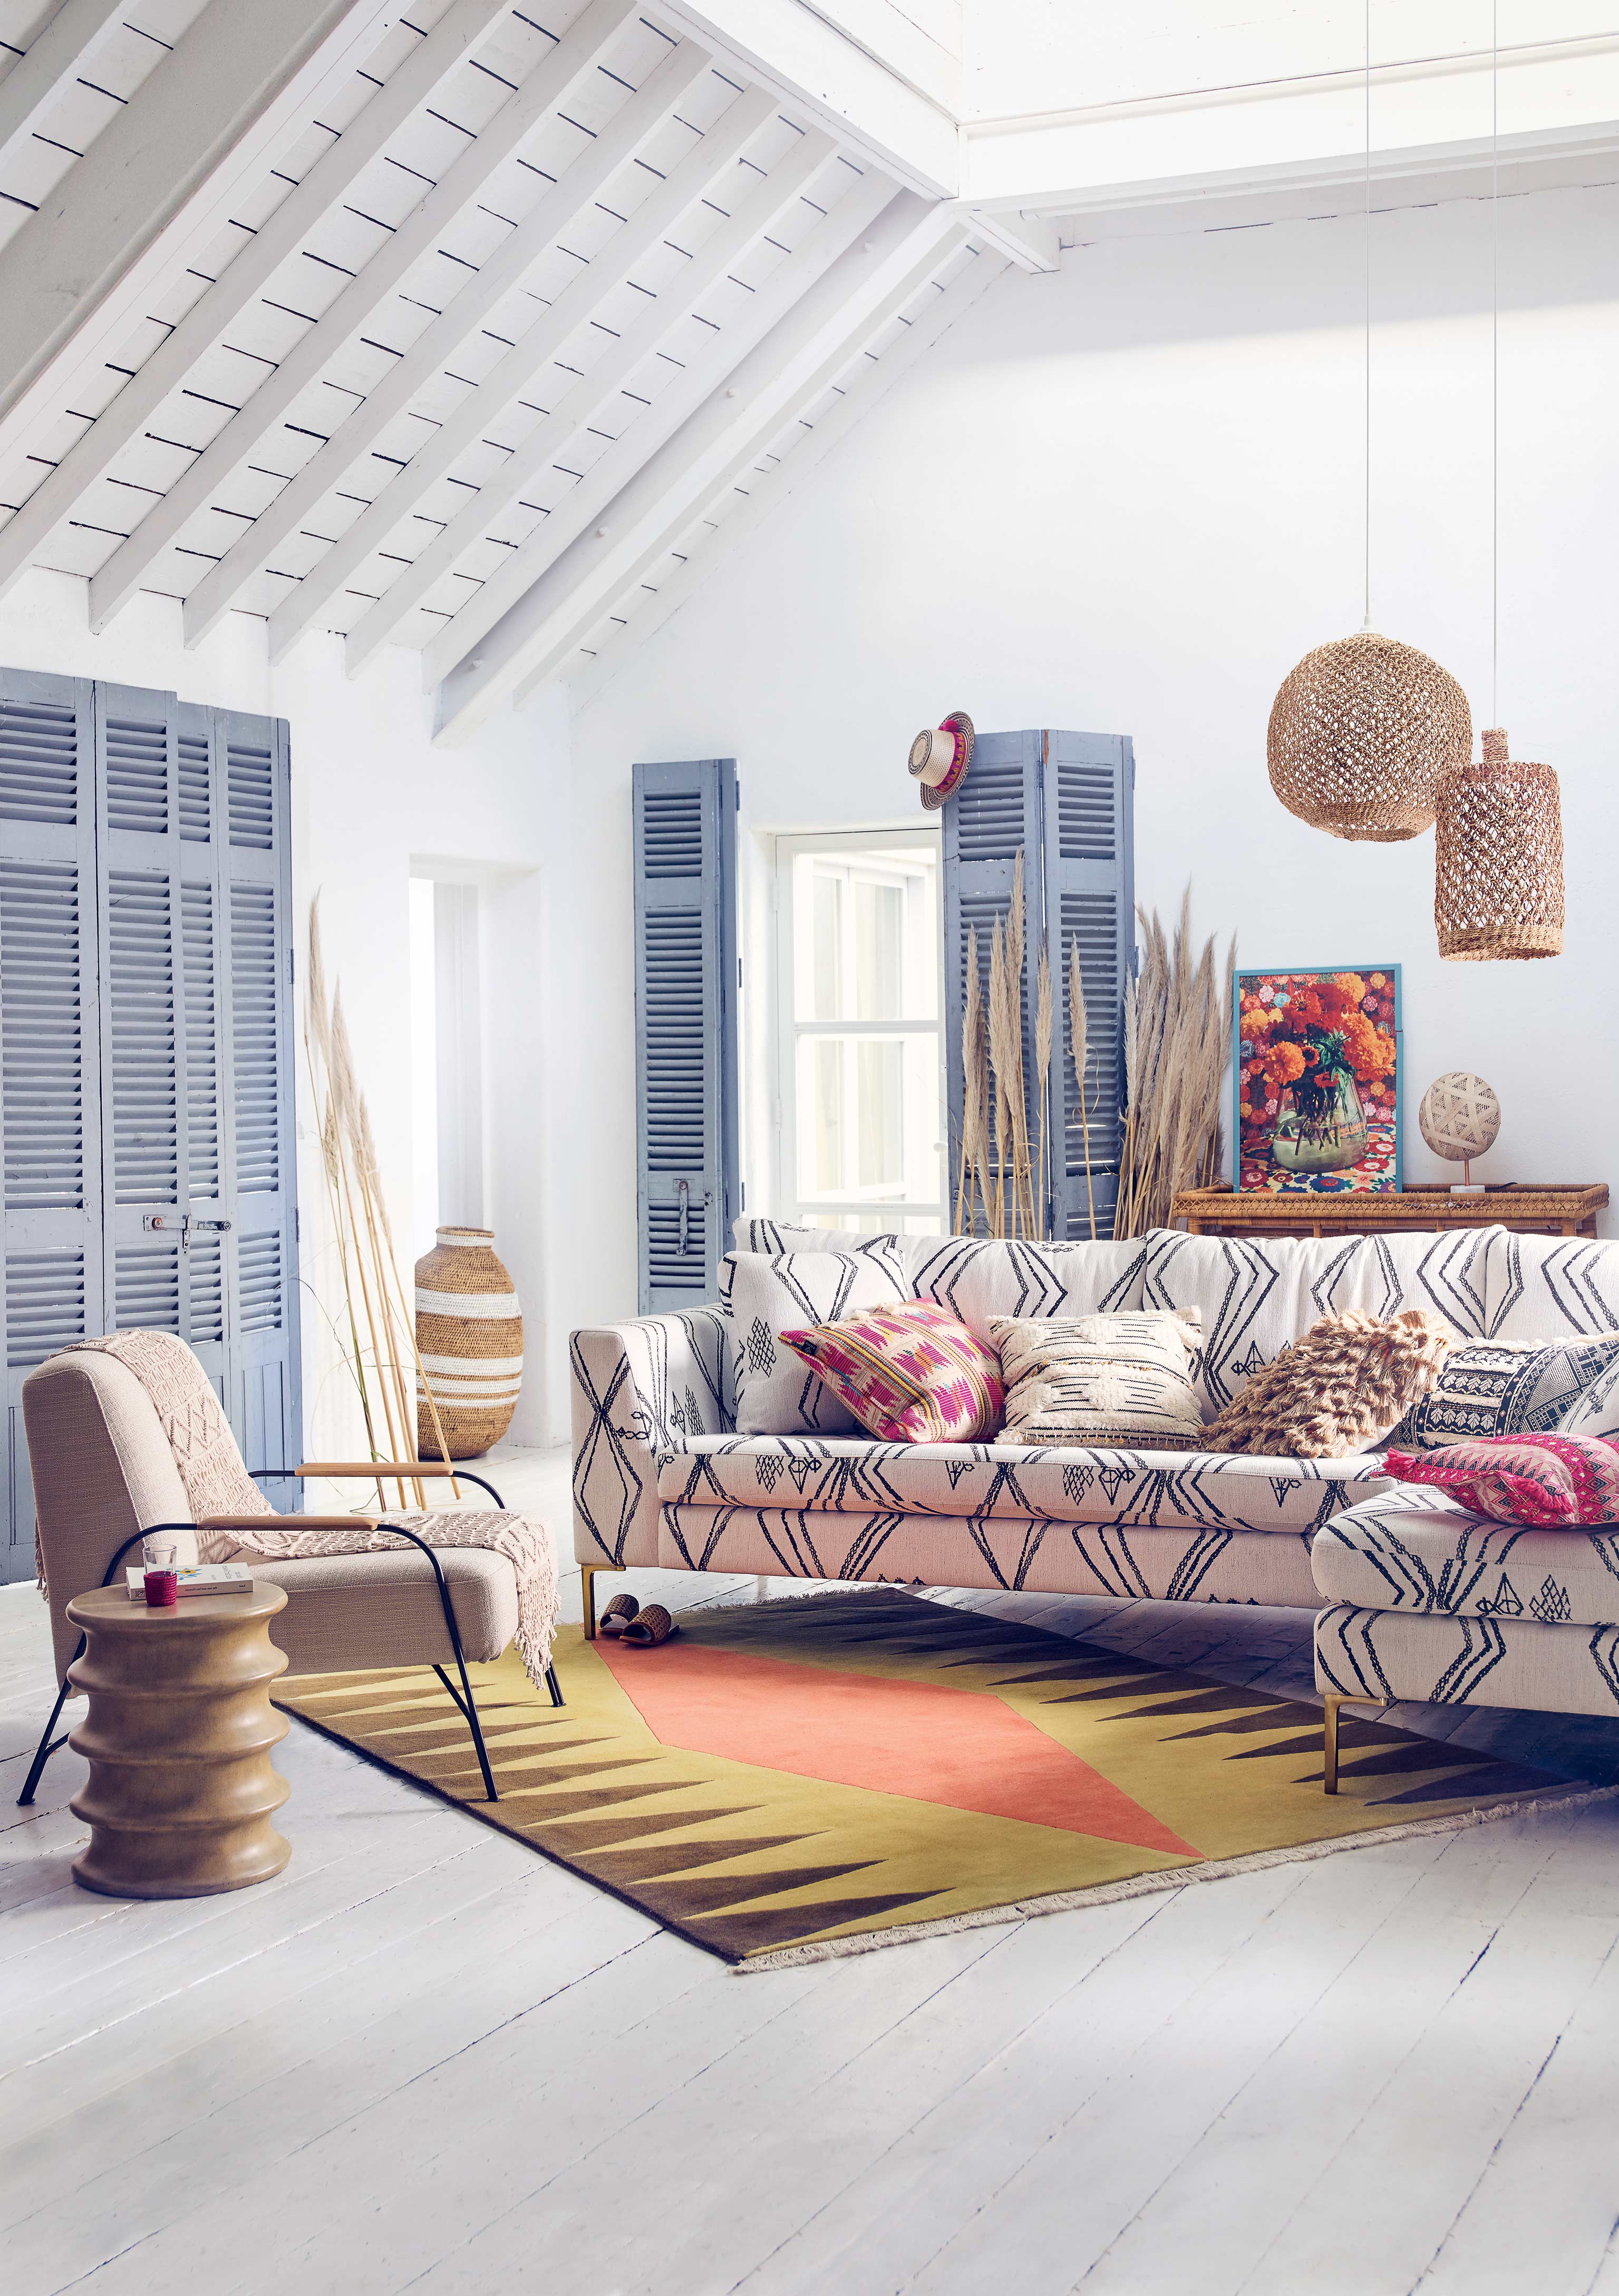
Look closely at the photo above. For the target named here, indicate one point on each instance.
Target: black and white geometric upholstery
(638, 1388)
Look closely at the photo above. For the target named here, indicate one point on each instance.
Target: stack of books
(196, 1578)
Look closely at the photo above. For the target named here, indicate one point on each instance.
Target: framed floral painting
(1317, 1063)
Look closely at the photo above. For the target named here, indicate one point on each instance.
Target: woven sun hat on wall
(940, 756)
(1362, 734)
(1498, 876)
(470, 1337)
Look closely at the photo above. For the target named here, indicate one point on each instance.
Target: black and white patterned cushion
(767, 1293)
(1487, 1388)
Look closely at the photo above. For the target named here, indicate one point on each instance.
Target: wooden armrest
(390, 1469)
(289, 1522)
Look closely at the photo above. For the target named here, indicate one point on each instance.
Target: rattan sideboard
(1528, 1211)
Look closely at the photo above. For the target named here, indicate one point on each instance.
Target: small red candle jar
(162, 1590)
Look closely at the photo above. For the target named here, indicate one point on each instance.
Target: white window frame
(789, 1031)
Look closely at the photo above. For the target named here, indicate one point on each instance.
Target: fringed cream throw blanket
(216, 1483)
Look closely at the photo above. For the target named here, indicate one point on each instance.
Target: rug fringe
(1142, 1885)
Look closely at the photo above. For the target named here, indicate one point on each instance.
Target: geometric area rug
(812, 1776)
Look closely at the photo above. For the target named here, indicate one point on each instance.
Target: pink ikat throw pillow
(1544, 1481)
(910, 1374)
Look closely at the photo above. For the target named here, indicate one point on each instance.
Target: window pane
(880, 1070)
(828, 912)
(825, 1114)
(879, 918)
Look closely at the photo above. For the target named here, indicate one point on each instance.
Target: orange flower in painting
(1284, 1064)
(1352, 985)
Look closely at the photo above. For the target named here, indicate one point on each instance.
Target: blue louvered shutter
(997, 812)
(685, 1026)
(50, 1094)
(1067, 800)
(258, 1154)
(196, 1052)
(1089, 899)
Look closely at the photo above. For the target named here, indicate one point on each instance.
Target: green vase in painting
(1321, 1127)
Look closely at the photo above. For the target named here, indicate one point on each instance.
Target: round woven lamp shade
(1497, 878)
(1362, 734)
(1460, 1116)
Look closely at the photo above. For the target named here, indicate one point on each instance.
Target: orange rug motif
(823, 1773)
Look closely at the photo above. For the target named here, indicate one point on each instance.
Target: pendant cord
(1367, 293)
(1495, 367)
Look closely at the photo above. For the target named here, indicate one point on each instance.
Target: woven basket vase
(1362, 734)
(1498, 862)
(470, 1337)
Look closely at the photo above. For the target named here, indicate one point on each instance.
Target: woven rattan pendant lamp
(1364, 730)
(1498, 861)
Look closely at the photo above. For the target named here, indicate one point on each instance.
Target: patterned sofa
(662, 1479)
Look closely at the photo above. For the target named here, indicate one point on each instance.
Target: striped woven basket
(470, 1337)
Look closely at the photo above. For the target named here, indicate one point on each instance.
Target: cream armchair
(104, 1475)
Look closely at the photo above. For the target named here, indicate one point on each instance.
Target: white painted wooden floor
(424, 2058)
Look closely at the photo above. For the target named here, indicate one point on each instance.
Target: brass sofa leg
(1331, 1704)
(590, 1572)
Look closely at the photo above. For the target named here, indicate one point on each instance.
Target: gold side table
(178, 1737)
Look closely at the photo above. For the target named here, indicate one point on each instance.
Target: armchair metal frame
(382, 1471)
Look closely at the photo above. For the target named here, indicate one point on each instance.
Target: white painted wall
(1127, 497)
(369, 796)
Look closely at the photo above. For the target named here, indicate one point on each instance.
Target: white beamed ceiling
(477, 328)
(453, 359)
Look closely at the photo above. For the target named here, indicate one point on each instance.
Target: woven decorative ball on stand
(1362, 734)
(1459, 1118)
(1497, 878)
(470, 1337)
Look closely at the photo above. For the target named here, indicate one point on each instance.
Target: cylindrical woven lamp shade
(1362, 734)
(1498, 879)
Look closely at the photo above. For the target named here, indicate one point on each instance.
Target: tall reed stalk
(387, 1367)
(1177, 1043)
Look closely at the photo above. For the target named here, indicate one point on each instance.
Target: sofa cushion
(1258, 1297)
(1134, 1563)
(908, 1373)
(1043, 1482)
(1089, 1381)
(1492, 1386)
(1544, 1287)
(1387, 1554)
(977, 1277)
(766, 1293)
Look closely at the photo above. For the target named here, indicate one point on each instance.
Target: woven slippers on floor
(625, 1621)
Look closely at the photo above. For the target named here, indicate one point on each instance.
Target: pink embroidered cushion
(1540, 1480)
(910, 1374)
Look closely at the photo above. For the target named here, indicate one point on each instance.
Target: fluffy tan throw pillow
(1340, 1388)
(1101, 1380)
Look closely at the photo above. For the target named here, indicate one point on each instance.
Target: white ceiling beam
(572, 625)
(1311, 125)
(1031, 241)
(875, 94)
(583, 400)
(58, 50)
(147, 168)
(336, 329)
(801, 357)
(705, 167)
(25, 534)
(643, 438)
(768, 489)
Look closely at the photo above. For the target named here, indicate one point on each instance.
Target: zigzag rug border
(1142, 1885)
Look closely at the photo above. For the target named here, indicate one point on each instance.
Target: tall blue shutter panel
(997, 811)
(49, 1097)
(1090, 872)
(1067, 800)
(685, 1026)
(257, 1154)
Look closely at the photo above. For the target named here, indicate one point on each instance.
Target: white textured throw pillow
(1095, 1381)
(767, 1293)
